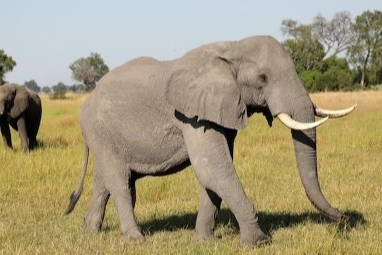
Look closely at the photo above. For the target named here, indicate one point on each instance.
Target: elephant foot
(91, 230)
(255, 239)
(134, 235)
(204, 235)
(91, 227)
(25, 150)
(8, 147)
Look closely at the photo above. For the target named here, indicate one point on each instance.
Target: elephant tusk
(292, 124)
(334, 114)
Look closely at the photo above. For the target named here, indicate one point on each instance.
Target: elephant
(21, 108)
(154, 118)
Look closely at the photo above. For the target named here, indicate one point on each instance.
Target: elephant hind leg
(209, 206)
(96, 212)
(32, 135)
(122, 190)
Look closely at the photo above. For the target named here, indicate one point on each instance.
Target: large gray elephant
(153, 118)
(21, 108)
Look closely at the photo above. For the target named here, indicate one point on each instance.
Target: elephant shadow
(269, 222)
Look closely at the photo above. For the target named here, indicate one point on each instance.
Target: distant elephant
(153, 118)
(20, 108)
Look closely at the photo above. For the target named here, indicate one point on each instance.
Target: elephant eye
(263, 78)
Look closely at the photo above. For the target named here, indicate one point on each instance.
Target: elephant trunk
(306, 155)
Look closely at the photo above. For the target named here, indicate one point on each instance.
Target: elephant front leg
(21, 127)
(6, 133)
(210, 157)
(209, 206)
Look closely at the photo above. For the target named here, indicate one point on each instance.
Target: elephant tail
(75, 196)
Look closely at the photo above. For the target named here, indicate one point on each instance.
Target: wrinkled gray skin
(151, 117)
(20, 108)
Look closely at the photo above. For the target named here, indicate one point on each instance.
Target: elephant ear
(209, 92)
(20, 102)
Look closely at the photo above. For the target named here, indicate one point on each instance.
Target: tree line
(336, 54)
(87, 71)
(329, 55)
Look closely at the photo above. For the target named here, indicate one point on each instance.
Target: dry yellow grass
(34, 190)
(367, 101)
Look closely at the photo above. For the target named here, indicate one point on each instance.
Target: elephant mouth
(264, 110)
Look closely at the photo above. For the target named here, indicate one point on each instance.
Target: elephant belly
(156, 150)
(148, 145)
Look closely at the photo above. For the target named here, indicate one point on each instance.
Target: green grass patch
(35, 189)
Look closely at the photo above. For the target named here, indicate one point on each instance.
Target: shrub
(58, 95)
(334, 79)
(309, 79)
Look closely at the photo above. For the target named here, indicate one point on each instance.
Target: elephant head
(13, 100)
(227, 82)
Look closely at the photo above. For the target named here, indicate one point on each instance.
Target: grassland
(34, 190)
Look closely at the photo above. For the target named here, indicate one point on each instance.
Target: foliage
(35, 190)
(292, 28)
(335, 35)
(89, 70)
(307, 53)
(374, 73)
(46, 90)
(314, 48)
(334, 75)
(77, 88)
(6, 65)
(366, 52)
(32, 85)
(59, 91)
(334, 79)
(309, 78)
(377, 87)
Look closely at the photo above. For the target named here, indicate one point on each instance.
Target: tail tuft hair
(72, 202)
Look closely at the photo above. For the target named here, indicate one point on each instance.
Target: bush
(377, 87)
(59, 91)
(309, 79)
(334, 79)
(58, 95)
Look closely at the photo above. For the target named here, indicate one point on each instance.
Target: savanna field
(35, 189)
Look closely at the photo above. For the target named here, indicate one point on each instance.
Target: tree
(366, 49)
(89, 70)
(309, 79)
(59, 91)
(336, 35)
(305, 50)
(334, 74)
(306, 53)
(306, 46)
(6, 65)
(59, 88)
(77, 88)
(32, 85)
(334, 79)
(46, 90)
(292, 28)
